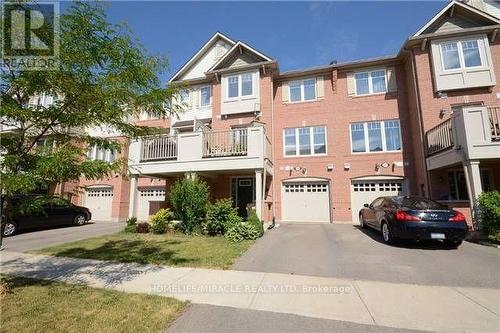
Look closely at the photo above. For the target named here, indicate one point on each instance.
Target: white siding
(242, 104)
(206, 61)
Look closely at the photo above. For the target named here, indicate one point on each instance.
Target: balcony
(237, 149)
(472, 133)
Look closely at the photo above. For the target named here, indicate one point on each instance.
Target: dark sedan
(57, 212)
(414, 218)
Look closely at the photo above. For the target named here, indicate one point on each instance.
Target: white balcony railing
(439, 138)
(159, 148)
(225, 143)
(494, 117)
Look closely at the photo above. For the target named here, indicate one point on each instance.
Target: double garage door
(99, 201)
(365, 191)
(305, 201)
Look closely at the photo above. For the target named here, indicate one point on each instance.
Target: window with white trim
(376, 136)
(206, 96)
(371, 82)
(460, 54)
(96, 153)
(302, 90)
(305, 141)
(240, 85)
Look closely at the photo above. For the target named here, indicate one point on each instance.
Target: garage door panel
(306, 202)
(146, 197)
(366, 191)
(100, 203)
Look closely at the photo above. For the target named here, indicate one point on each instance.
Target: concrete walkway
(396, 305)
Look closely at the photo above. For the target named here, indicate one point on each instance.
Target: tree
(105, 76)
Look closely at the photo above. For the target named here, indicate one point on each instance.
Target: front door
(242, 194)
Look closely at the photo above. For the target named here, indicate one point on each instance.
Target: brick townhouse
(314, 145)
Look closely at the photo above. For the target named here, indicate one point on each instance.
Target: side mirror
(366, 205)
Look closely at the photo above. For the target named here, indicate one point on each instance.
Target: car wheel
(9, 229)
(79, 219)
(361, 221)
(386, 233)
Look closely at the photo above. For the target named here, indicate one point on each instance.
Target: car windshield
(418, 203)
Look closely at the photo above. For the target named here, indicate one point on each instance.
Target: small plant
(131, 225)
(489, 212)
(241, 231)
(142, 228)
(254, 220)
(161, 221)
(220, 217)
(189, 199)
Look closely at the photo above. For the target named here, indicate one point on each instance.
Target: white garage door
(145, 196)
(305, 202)
(100, 202)
(366, 191)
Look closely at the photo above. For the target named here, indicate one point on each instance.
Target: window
(96, 153)
(240, 85)
(372, 82)
(305, 141)
(206, 96)
(376, 136)
(461, 54)
(302, 90)
(458, 186)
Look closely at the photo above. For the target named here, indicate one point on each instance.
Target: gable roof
(239, 46)
(451, 7)
(218, 35)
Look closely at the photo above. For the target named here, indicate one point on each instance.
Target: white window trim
(311, 142)
(201, 98)
(302, 100)
(461, 60)
(240, 84)
(367, 139)
(370, 84)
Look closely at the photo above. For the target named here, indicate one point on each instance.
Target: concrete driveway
(33, 240)
(346, 251)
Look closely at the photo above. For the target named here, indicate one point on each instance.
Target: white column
(258, 193)
(473, 179)
(132, 205)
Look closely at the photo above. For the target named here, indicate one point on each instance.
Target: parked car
(415, 218)
(54, 213)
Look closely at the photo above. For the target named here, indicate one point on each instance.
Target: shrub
(494, 237)
(161, 221)
(220, 216)
(241, 231)
(254, 220)
(189, 199)
(131, 225)
(142, 228)
(489, 210)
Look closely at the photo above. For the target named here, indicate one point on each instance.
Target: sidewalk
(365, 302)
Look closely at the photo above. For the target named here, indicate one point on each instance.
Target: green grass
(169, 249)
(30, 305)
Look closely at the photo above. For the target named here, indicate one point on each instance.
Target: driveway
(345, 251)
(33, 240)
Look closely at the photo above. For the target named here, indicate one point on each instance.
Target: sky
(297, 34)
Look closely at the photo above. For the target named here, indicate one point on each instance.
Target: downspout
(273, 202)
(420, 121)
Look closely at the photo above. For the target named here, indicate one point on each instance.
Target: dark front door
(244, 195)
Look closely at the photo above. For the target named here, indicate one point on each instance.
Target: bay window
(375, 136)
(460, 54)
(371, 82)
(302, 90)
(240, 85)
(304, 141)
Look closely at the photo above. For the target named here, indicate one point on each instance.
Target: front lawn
(169, 249)
(30, 305)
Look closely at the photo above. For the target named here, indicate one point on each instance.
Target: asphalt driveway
(33, 240)
(346, 251)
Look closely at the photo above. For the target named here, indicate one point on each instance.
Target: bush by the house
(189, 199)
(489, 210)
(131, 225)
(220, 217)
(142, 228)
(254, 220)
(161, 221)
(241, 231)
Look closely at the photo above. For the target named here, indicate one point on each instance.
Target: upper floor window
(184, 96)
(375, 136)
(205, 96)
(96, 153)
(240, 85)
(302, 90)
(305, 141)
(460, 54)
(371, 82)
